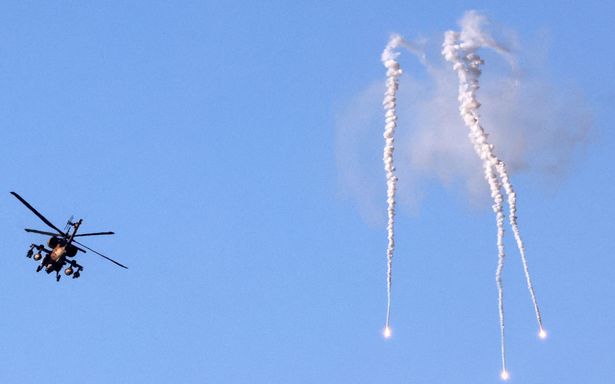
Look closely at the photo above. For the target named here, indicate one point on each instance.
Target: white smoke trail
(389, 59)
(512, 216)
(460, 49)
(472, 38)
(466, 63)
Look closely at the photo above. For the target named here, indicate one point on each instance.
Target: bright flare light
(387, 333)
(542, 334)
(504, 375)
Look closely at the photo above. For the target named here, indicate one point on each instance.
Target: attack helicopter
(62, 246)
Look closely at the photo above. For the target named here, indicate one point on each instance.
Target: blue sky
(205, 135)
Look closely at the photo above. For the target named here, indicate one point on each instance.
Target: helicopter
(62, 246)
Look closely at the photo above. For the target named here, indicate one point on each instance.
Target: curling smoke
(460, 50)
(472, 38)
(466, 64)
(389, 59)
(539, 128)
(433, 144)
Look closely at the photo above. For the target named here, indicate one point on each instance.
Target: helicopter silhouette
(62, 246)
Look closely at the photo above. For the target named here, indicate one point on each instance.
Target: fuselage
(58, 253)
(62, 247)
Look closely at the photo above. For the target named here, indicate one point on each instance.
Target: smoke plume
(389, 59)
(538, 128)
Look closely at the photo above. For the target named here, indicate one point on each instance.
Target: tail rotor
(69, 224)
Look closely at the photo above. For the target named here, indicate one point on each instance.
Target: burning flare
(387, 332)
(504, 375)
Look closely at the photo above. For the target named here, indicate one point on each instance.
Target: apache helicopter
(61, 246)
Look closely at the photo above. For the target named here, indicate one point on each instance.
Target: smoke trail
(472, 38)
(460, 49)
(512, 216)
(466, 63)
(389, 59)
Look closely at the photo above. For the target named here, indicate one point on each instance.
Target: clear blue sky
(203, 134)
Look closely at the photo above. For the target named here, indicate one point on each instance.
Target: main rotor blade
(37, 213)
(95, 234)
(100, 254)
(40, 232)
